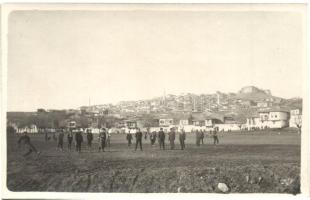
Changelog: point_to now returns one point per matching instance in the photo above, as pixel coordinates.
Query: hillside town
(249, 109)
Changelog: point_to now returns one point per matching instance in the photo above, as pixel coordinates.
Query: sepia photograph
(165, 98)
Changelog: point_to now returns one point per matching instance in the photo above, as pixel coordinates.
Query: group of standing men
(161, 135)
(104, 138)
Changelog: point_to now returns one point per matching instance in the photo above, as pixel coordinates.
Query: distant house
(254, 122)
(229, 120)
(198, 122)
(229, 124)
(248, 103)
(295, 118)
(71, 124)
(228, 127)
(210, 122)
(164, 122)
(198, 119)
(278, 119)
(184, 122)
(131, 124)
(29, 129)
(264, 115)
(263, 104)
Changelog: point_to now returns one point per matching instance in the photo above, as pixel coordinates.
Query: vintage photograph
(164, 98)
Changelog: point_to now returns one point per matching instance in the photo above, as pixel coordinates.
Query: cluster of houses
(267, 119)
(271, 119)
(275, 119)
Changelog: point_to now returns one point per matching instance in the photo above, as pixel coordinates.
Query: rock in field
(181, 189)
(223, 187)
(286, 181)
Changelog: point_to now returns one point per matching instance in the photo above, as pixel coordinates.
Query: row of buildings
(271, 119)
(247, 97)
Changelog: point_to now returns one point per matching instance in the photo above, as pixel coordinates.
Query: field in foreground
(263, 161)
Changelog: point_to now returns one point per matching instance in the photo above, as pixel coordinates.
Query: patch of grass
(263, 161)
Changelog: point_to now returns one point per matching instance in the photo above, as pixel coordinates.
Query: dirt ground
(259, 162)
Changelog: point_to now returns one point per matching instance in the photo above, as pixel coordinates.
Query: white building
(184, 122)
(165, 122)
(264, 119)
(71, 124)
(254, 122)
(228, 127)
(197, 122)
(278, 119)
(131, 124)
(263, 104)
(210, 122)
(29, 129)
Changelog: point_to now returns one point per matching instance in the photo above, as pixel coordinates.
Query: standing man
(46, 135)
(202, 135)
(60, 140)
(102, 139)
(172, 138)
(78, 140)
(197, 137)
(109, 137)
(182, 138)
(215, 137)
(54, 135)
(146, 134)
(70, 139)
(161, 138)
(153, 137)
(89, 138)
(25, 139)
(129, 138)
(138, 136)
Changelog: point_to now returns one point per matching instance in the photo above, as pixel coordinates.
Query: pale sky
(58, 59)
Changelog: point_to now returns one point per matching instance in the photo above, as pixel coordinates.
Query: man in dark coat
(25, 139)
(138, 136)
(46, 135)
(129, 138)
(78, 140)
(60, 139)
(153, 137)
(182, 138)
(102, 139)
(70, 139)
(161, 138)
(89, 138)
(171, 138)
(202, 135)
(215, 137)
(197, 137)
